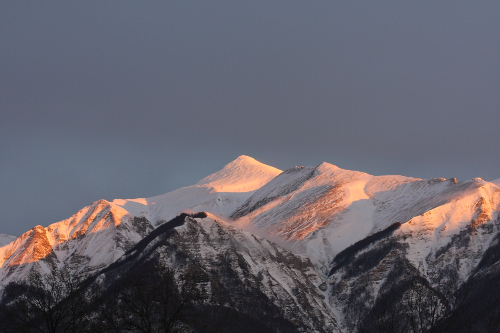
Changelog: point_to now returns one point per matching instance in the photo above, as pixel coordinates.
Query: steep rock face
(26, 250)
(249, 273)
(362, 272)
(88, 241)
(481, 308)
(445, 248)
(455, 235)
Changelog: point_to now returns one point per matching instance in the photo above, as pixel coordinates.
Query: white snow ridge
(329, 244)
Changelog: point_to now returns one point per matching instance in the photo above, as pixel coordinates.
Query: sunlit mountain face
(321, 248)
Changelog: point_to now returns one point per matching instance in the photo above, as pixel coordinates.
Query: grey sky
(123, 99)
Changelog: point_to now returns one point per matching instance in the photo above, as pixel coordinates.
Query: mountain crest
(244, 174)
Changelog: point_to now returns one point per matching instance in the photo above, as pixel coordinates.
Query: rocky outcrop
(88, 241)
(237, 270)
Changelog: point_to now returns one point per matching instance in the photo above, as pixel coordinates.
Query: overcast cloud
(125, 99)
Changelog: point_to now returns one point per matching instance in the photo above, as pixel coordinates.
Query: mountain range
(321, 248)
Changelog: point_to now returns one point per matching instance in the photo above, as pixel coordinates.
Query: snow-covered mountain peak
(220, 193)
(244, 174)
(90, 239)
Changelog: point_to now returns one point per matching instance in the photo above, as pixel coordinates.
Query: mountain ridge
(350, 195)
(445, 230)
